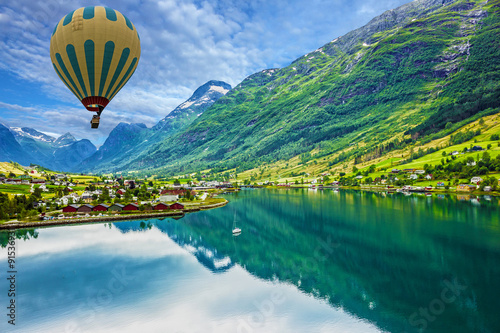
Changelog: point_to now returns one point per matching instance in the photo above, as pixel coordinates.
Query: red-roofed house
(177, 206)
(131, 206)
(161, 206)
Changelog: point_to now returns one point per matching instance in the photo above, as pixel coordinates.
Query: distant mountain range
(413, 74)
(27, 145)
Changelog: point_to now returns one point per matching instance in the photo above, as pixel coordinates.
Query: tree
(354, 169)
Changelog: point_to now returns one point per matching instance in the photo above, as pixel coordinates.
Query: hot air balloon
(95, 51)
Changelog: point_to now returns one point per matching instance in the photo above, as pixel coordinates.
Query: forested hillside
(413, 74)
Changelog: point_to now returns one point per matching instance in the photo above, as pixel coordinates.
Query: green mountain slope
(423, 70)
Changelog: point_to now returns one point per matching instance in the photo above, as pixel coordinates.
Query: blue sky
(184, 44)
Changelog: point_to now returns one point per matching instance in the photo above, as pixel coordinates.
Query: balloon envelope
(95, 51)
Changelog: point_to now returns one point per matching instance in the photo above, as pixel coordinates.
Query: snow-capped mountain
(26, 145)
(126, 141)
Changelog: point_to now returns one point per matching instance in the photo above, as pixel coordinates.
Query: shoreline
(376, 188)
(99, 219)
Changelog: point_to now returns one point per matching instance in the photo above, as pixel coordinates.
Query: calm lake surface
(306, 261)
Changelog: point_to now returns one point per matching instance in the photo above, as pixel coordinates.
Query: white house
(428, 177)
(413, 176)
(476, 180)
(419, 172)
(165, 198)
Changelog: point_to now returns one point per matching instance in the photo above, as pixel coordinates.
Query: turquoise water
(306, 261)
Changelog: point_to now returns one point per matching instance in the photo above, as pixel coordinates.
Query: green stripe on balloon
(88, 13)
(124, 79)
(70, 50)
(68, 18)
(110, 14)
(63, 80)
(129, 24)
(55, 29)
(68, 76)
(119, 68)
(89, 57)
(109, 49)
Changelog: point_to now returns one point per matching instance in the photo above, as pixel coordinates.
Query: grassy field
(15, 189)
(6, 168)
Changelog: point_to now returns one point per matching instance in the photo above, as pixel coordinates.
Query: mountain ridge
(127, 140)
(348, 91)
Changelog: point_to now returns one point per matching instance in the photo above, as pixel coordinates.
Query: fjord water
(306, 261)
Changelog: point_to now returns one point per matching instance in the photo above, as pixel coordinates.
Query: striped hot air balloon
(95, 51)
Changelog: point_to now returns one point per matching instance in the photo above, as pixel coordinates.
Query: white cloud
(16, 107)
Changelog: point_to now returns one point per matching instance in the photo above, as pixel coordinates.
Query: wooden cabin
(101, 208)
(116, 207)
(85, 208)
(70, 209)
(177, 205)
(161, 206)
(131, 206)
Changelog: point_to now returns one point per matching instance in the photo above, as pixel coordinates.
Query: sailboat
(236, 230)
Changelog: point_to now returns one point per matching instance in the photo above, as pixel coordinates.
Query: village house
(85, 208)
(440, 184)
(476, 180)
(13, 181)
(413, 176)
(177, 205)
(428, 177)
(100, 208)
(466, 188)
(70, 209)
(38, 181)
(86, 197)
(168, 197)
(116, 207)
(121, 191)
(161, 206)
(131, 206)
